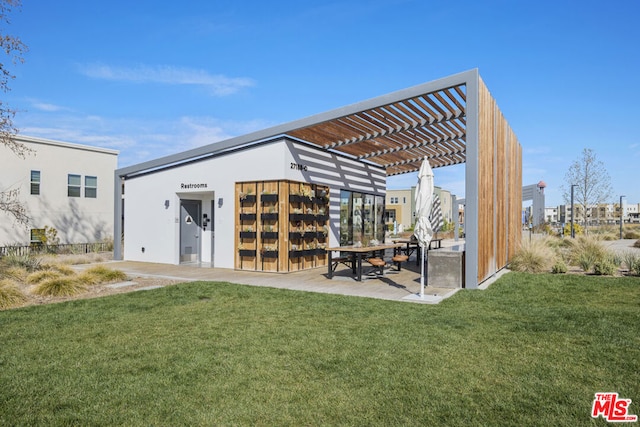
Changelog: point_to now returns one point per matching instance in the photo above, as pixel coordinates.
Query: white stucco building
(189, 212)
(68, 187)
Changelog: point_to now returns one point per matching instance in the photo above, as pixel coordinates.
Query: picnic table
(413, 245)
(356, 253)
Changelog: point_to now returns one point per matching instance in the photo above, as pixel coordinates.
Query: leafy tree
(13, 48)
(593, 185)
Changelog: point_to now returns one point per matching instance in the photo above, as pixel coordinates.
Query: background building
(400, 207)
(68, 187)
(601, 214)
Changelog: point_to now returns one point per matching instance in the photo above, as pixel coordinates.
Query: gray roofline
(43, 141)
(282, 129)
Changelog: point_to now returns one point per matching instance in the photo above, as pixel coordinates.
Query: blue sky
(151, 78)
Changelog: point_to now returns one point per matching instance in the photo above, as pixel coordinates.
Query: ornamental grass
(100, 274)
(61, 286)
(10, 294)
(534, 256)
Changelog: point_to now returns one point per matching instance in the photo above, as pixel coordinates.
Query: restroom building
(273, 200)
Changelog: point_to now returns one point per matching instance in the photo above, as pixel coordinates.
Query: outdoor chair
(378, 264)
(345, 260)
(399, 259)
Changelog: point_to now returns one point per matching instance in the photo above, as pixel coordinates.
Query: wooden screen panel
(486, 173)
(502, 163)
(515, 194)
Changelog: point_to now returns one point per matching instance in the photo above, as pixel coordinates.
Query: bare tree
(591, 180)
(13, 48)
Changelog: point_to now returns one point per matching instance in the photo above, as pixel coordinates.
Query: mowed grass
(530, 350)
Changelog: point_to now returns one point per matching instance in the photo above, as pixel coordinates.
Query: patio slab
(402, 286)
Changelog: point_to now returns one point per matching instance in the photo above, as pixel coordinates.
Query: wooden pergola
(448, 121)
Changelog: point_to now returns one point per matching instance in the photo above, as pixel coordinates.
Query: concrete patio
(395, 286)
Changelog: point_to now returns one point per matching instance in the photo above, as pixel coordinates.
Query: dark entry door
(190, 230)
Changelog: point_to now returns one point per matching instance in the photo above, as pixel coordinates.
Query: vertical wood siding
(499, 187)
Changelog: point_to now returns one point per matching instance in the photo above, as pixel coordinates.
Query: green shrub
(635, 270)
(10, 295)
(577, 229)
(631, 260)
(60, 286)
(604, 267)
(559, 267)
(586, 250)
(534, 256)
(586, 260)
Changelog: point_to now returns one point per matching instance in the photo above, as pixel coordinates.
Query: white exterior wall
(77, 219)
(150, 225)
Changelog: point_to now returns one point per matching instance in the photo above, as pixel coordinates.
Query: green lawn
(530, 350)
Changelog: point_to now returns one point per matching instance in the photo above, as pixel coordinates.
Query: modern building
(68, 187)
(400, 207)
(275, 199)
(600, 214)
(551, 215)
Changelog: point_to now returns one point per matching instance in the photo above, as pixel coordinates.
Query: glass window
(73, 185)
(361, 218)
(35, 182)
(91, 186)
(37, 235)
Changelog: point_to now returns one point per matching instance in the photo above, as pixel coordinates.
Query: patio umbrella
(436, 218)
(424, 198)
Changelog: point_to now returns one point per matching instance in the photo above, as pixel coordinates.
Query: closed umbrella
(423, 199)
(437, 220)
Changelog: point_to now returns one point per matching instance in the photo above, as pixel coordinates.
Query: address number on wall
(298, 167)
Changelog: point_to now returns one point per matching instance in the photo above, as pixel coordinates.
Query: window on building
(404, 200)
(37, 235)
(394, 200)
(35, 182)
(361, 218)
(73, 185)
(91, 186)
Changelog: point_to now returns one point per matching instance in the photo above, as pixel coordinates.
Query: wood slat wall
(499, 187)
(486, 202)
(269, 216)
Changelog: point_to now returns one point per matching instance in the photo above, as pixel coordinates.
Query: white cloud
(137, 140)
(44, 106)
(217, 84)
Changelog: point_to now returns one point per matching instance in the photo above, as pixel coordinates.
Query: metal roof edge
(282, 129)
(72, 145)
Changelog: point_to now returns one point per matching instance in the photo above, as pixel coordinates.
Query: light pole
(621, 216)
(573, 234)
